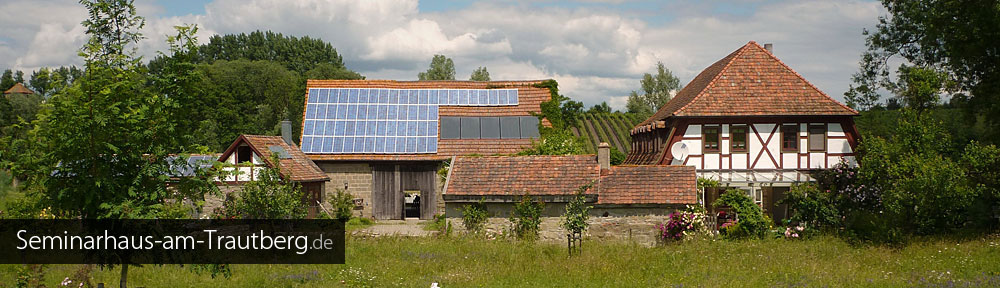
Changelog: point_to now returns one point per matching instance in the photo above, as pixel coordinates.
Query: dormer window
(244, 155)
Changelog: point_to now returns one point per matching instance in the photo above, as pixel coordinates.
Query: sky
(596, 49)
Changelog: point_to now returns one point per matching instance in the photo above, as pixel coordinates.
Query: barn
(385, 141)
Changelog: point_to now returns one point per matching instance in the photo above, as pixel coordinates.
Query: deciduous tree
(442, 68)
(480, 74)
(656, 91)
(956, 37)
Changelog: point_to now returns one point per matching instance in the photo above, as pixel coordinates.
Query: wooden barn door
(422, 177)
(387, 195)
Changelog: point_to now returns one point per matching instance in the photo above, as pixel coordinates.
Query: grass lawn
(458, 262)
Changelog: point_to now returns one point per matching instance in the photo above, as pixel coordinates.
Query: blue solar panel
(390, 144)
(380, 145)
(317, 144)
(307, 127)
(338, 145)
(400, 128)
(376, 120)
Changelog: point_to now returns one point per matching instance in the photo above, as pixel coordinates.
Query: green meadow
(466, 262)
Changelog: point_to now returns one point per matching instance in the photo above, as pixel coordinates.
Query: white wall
(764, 146)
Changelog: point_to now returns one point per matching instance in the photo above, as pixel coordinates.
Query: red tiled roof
(655, 184)
(18, 88)
(749, 82)
(563, 175)
(297, 169)
(517, 175)
(529, 102)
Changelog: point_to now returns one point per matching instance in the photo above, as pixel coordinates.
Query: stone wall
(556, 209)
(358, 177)
(215, 201)
(638, 229)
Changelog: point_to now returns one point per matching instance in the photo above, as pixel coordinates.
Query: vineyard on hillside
(612, 128)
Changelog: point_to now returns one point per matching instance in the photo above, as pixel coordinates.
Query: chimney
(769, 47)
(286, 131)
(604, 156)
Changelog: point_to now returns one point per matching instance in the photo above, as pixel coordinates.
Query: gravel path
(409, 227)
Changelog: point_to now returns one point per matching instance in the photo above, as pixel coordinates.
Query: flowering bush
(687, 224)
(678, 224)
(797, 232)
(751, 223)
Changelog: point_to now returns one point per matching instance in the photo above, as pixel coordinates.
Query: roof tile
(749, 82)
(563, 175)
(653, 184)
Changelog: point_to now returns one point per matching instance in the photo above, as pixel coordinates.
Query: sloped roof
(18, 88)
(297, 167)
(652, 184)
(529, 103)
(750, 82)
(563, 175)
(517, 175)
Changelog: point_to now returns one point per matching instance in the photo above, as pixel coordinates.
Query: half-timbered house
(749, 121)
(250, 154)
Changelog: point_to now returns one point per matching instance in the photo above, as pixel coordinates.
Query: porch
(766, 188)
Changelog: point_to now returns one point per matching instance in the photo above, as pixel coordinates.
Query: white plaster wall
(838, 146)
(695, 161)
(757, 150)
(816, 160)
(789, 161)
(712, 161)
(835, 130)
(740, 161)
(693, 131)
(694, 146)
(833, 160)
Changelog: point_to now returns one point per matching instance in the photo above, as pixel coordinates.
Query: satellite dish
(680, 152)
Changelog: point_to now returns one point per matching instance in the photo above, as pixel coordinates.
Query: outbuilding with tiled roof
(628, 190)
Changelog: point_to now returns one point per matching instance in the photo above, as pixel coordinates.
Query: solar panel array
(385, 121)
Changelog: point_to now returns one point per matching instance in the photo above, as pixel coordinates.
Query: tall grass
(461, 262)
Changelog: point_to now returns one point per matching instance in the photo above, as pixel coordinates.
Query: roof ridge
(736, 54)
(421, 81)
(526, 156)
(804, 79)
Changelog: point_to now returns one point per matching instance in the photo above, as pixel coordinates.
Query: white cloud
(422, 37)
(596, 54)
